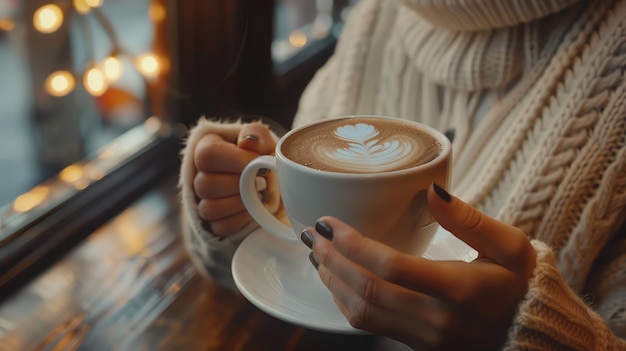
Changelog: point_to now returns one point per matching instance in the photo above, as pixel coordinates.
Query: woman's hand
(432, 305)
(219, 164)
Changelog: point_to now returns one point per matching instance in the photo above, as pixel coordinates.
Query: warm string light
(59, 83)
(112, 68)
(148, 65)
(81, 6)
(97, 78)
(48, 18)
(94, 3)
(95, 82)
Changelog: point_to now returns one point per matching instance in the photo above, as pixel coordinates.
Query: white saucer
(277, 277)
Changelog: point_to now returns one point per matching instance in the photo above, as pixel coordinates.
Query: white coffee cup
(387, 205)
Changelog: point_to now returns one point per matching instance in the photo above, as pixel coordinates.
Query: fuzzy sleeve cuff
(553, 317)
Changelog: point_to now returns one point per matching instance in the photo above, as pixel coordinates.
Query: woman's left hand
(432, 305)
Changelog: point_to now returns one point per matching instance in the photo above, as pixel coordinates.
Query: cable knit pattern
(551, 317)
(349, 78)
(520, 126)
(535, 91)
(539, 157)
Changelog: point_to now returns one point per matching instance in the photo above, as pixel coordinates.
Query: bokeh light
(148, 65)
(59, 83)
(31, 199)
(95, 81)
(48, 18)
(298, 39)
(112, 67)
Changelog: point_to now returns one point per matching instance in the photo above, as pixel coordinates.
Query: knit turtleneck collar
(478, 15)
(471, 45)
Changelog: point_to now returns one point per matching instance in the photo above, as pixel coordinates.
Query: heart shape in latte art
(364, 150)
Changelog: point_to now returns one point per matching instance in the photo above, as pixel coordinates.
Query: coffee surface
(361, 145)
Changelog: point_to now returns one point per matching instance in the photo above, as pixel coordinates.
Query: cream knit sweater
(536, 94)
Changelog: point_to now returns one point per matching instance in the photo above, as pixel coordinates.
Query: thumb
(256, 137)
(493, 239)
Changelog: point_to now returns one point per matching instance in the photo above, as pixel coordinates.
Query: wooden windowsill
(33, 240)
(131, 286)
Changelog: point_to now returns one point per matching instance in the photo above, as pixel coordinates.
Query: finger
(214, 154)
(465, 291)
(357, 252)
(374, 256)
(372, 304)
(338, 272)
(215, 209)
(493, 239)
(256, 137)
(447, 280)
(230, 225)
(363, 314)
(215, 185)
(219, 185)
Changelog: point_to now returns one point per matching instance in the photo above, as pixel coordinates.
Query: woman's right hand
(219, 164)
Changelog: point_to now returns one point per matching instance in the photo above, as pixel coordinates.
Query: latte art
(365, 152)
(361, 145)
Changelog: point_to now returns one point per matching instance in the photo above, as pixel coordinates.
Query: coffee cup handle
(254, 205)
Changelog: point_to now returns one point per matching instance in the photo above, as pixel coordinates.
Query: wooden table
(131, 286)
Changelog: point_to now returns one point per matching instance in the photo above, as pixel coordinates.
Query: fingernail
(314, 260)
(442, 193)
(449, 133)
(262, 172)
(251, 137)
(307, 238)
(324, 229)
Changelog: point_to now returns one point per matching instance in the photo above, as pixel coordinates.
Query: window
(79, 117)
(96, 93)
(302, 24)
(70, 83)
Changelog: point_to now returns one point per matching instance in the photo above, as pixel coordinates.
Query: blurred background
(69, 86)
(96, 97)
(78, 74)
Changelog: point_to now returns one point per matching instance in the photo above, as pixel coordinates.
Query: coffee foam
(361, 145)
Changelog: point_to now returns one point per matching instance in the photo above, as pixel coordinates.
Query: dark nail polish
(264, 196)
(324, 229)
(262, 172)
(314, 260)
(449, 133)
(442, 193)
(307, 238)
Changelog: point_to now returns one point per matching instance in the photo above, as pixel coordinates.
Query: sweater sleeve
(553, 317)
(210, 254)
